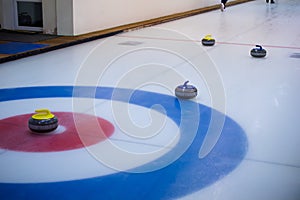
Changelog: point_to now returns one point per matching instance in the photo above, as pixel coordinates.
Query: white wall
(1, 14)
(75, 17)
(93, 15)
(65, 21)
(49, 17)
(7, 14)
(103, 14)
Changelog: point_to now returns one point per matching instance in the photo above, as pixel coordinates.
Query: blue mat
(18, 47)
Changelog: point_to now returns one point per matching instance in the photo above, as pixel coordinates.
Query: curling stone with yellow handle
(43, 121)
(208, 40)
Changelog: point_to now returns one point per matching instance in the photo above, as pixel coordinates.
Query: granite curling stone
(258, 52)
(208, 41)
(186, 91)
(43, 121)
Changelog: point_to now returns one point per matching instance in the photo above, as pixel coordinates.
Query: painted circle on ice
(16, 136)
(187, 174)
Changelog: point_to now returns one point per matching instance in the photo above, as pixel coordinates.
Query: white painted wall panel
(49, 17)
(65, 19)
(93, 15)
(75, 17)
(7, 14)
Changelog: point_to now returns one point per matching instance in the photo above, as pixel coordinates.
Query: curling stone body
(186, 91)
(208, 41)
(258, 52)
(43, 121)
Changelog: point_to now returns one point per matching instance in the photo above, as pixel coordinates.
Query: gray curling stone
(258, 52)
(186, 91)
(42, 122)
(208, 41)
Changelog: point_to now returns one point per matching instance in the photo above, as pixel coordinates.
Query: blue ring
(186, 175)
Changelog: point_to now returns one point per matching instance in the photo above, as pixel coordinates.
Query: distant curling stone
(208, 41)
(42, 122)
(186, 91)
(258, 52)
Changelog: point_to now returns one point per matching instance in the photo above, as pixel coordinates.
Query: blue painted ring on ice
(187, 174)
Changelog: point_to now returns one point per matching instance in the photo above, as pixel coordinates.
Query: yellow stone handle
(42, 114)
(208, 37)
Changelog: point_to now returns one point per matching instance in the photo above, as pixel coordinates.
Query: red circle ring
(77, 131)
